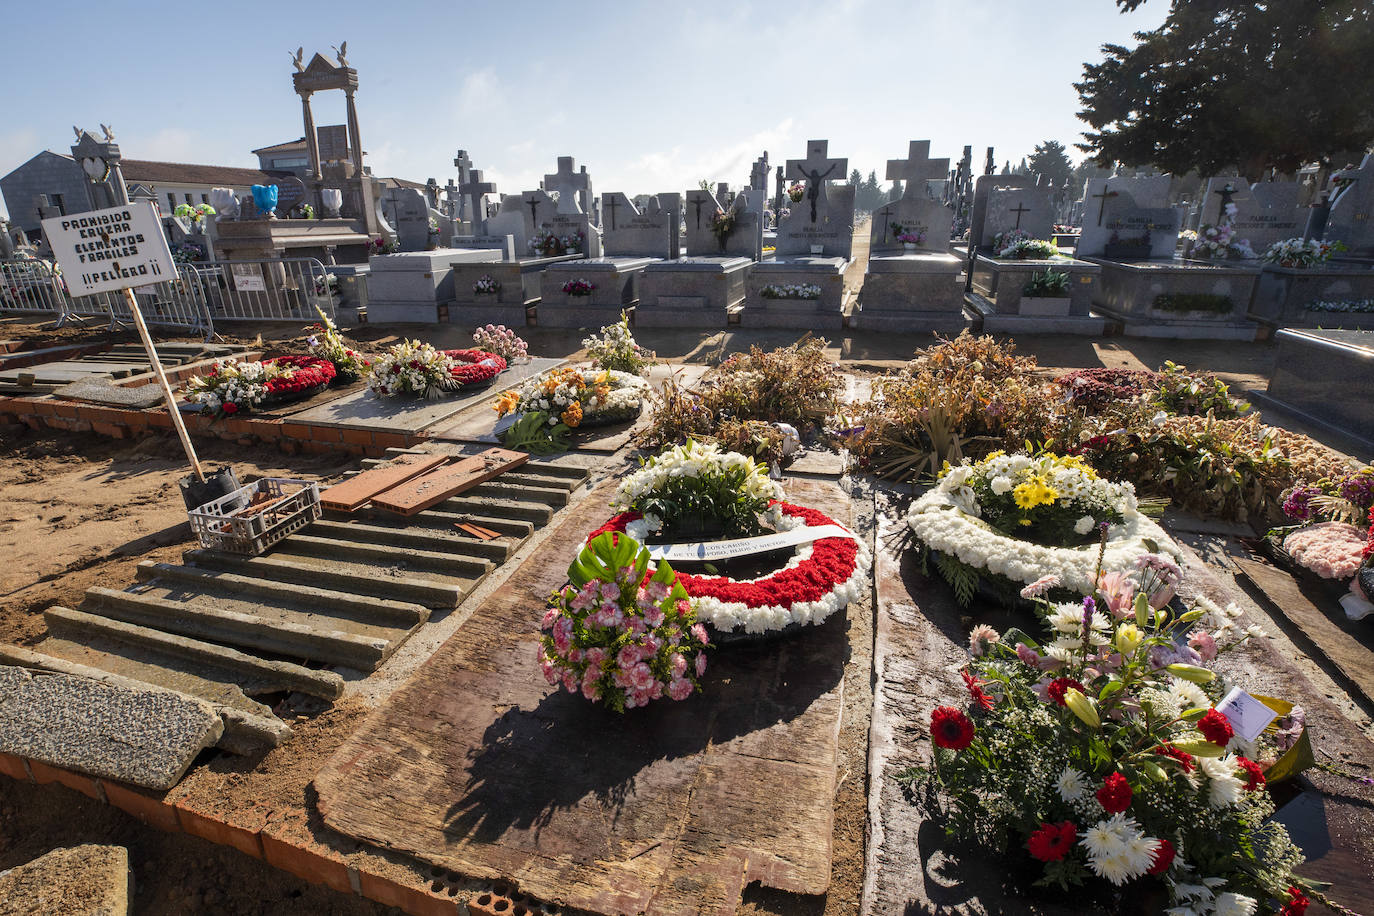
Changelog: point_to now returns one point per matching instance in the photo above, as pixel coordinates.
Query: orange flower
(572, 417)
(506, 403)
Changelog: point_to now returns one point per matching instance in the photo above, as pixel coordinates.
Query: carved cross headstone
(1226, 192)
(474, 190)
(452, 206)
(816, 169)
(568, 183)
(1019, 210)
(701, 206)
(1102, 207)
(916, 169)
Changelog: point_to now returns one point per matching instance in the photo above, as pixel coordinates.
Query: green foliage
(534, 434)
(960, 576)
(1047, 283)
(1182, 392)
(1194, 302)
(1051, 162)
(1233, 82)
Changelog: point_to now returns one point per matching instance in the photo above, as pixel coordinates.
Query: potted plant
(579, 287)
(910, 236)
(1047, 294)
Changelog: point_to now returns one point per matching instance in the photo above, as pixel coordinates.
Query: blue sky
(650, 96)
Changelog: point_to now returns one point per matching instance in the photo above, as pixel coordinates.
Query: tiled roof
(282, 147)
(187, 173)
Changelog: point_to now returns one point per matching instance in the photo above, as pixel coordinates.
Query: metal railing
(32, 286)
(285, 289)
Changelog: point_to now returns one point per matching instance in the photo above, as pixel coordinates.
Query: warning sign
(248, 278)
(104, 250)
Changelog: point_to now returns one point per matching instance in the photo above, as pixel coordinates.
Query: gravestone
(333, 143)
(573, 188)
(474, 193)
(650, 233)
(1125, 210)
(744, 241)
(824, 218)
(463, 163)
(1351, 210)
(1004, 203)
(758, 174)
(915, 208)
(410, 218)
(1266, 213)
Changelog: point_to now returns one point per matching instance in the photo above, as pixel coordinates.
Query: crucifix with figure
(913, 171)
(815, 169)
(568, 183)
(1226, 192)
(475, 190)
(698, 199)
(1102, 208)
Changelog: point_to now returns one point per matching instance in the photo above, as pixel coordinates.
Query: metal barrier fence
(284, 289)
(32, 286)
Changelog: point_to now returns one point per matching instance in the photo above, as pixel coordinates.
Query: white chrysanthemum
(1188, 694)
(1084, 525)
(1001, 485)
(1231, 904)
(1223, 786)
(1071, 785)
(1118, 850)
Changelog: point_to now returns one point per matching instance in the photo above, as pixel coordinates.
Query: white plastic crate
(276, 507)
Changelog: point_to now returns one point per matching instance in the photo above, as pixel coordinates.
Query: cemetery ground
(82, 510)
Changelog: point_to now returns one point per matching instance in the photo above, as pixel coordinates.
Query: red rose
(1254, 775)
(1298, 905)
(230, 407)
(975, 689)
(1115, 794)
(1216, 728)
(1164, 857)
(950, 728)
(1061, 684)
(1183, 757)
(1052, 841)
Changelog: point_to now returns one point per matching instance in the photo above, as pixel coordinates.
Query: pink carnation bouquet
(622, 633)
(1332, 550)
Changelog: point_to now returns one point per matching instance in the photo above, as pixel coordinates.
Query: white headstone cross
(463, 163)
(101, 251)
(567, 183)
(916, 169)
(816, 169)
(476, 190)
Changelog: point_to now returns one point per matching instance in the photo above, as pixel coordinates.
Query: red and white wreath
(473, 367)
(822, 577)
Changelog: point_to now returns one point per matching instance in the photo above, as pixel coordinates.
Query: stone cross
(1102, 208)
(432, 193)
(815, 170)
(777, 197)
(463, 164)
(698, 200)
(567, 183)
(610, 203)
(916, 169)
(1226, 192)
(475, 189)
(453, 205)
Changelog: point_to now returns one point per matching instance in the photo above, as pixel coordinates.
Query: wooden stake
(162, 380)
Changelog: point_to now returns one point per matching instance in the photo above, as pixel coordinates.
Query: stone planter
(1045, 306)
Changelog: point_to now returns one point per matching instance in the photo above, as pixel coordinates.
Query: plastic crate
(273, 512)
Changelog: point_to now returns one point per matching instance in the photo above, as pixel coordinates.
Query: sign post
(102, 251)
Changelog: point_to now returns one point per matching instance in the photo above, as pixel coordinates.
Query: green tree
(873, 192)
(1051, 162)
(1235, 82)
(895, 192)
(856, 178)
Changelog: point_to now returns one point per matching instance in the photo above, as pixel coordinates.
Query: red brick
(296, 430)
(413, 901)
(113, 430)
(87, 412)
(326, 433)
(44, 408)
(160, 419)
(357, 436)
(65, 410)
(13, 767)
(389, 440)
(306, 864)
(321, 448)
(43, 774)
(150, 810)
(265, 429)
(31, 421)
(245, 841)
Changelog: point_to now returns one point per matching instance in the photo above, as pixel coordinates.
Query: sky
(650, 96)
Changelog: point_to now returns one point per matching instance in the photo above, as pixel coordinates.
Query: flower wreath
(302, 373)
(820, 579)
(474, 367)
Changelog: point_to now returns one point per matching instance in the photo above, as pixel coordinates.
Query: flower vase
(908, 248)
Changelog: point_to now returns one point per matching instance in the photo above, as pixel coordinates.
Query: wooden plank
(419, 493)
(354, 492)
(478, 766)
(1344, 643)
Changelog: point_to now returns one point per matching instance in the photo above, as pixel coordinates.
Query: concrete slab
(146, 737)
(363, 410)
(100, 391)
(87, 880)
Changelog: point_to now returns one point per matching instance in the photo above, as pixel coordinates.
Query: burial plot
(1265, 213)
(1132, 232)
(1009, 297)
(1350, 219)
(803, 286)
(702, 289)
(913, 285)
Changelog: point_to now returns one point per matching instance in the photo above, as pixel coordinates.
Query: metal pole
(162, 380)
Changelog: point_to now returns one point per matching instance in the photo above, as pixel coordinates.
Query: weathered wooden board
(419, 493)
(1336, 638)
(358, 489)
(479, 767)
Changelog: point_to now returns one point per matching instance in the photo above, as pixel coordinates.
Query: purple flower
(1298, 504)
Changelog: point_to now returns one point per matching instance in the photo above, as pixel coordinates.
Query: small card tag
(1247, 715)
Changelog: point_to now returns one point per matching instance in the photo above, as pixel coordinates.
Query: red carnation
(1183, 757)
(950, 728)
(1115, 794)
(1298, 905)
(230, 407)
(1164, 857)
(1061, 684)
(1052, 841)
(1216, 728)
(1254, 775)
(975, 689)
